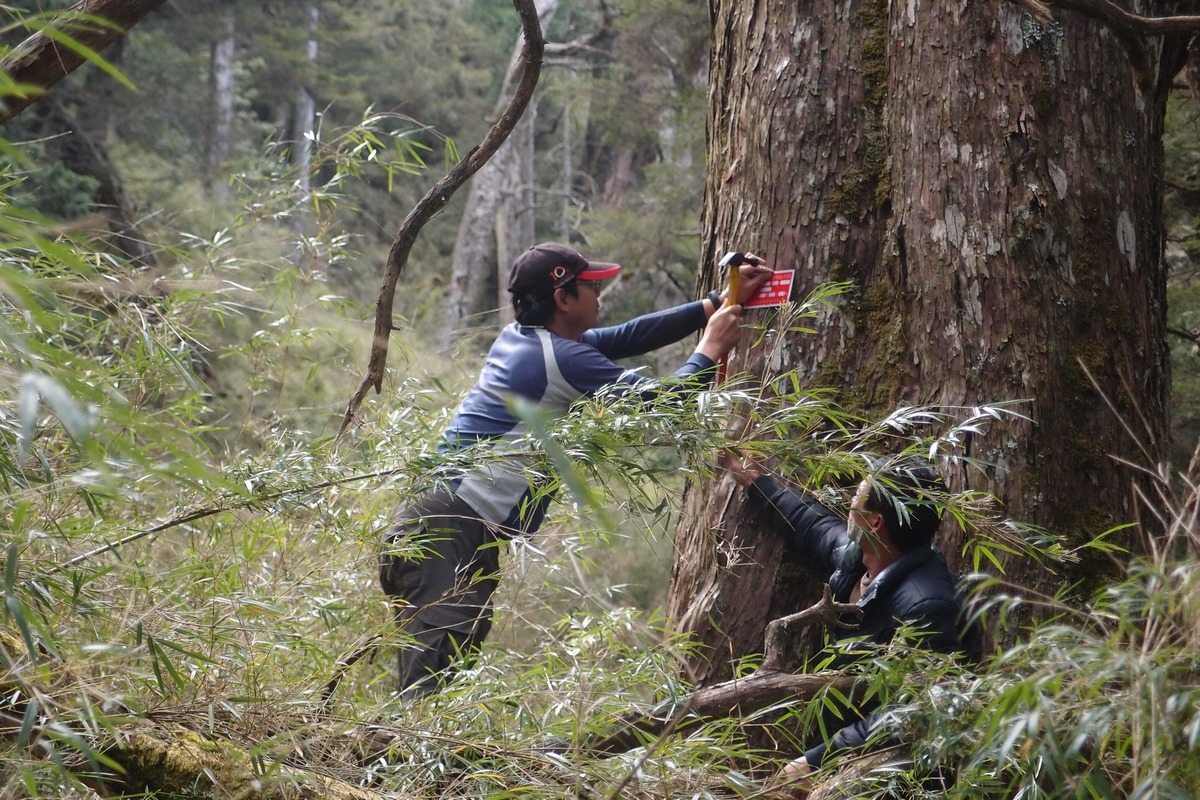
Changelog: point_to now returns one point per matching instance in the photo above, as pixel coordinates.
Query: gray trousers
(441, 598)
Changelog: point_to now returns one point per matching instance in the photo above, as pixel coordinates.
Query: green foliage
(183, 541)
(53, 190)
(244, 572)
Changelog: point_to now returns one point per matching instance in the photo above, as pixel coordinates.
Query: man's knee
(435, 653)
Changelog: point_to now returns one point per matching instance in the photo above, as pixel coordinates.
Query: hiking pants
(441, 597)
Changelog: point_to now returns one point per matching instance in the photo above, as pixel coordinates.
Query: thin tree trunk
(303, 125)
(221, 76)
(305, 113)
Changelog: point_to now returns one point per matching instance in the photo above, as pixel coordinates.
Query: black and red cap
(548, 266)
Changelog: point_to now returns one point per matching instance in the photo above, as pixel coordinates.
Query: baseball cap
(545, 267)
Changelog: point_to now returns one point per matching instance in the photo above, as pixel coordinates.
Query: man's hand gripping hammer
(732, 261)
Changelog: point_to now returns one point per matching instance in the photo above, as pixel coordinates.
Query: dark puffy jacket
(917, 590)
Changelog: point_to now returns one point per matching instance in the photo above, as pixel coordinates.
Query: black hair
(905, 493)
(538, 309)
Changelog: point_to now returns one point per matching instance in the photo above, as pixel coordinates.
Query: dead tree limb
(42, 60)
(1131, 30)
(437, 197)
(764, 687)
(851, 779)
(1119, 20)
(735, 698)
(826, 611)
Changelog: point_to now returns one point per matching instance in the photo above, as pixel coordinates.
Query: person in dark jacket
(882, 559)
(551, 357)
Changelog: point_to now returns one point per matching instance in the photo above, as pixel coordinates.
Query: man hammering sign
(551, 356)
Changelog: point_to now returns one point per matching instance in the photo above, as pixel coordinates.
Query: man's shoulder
(930, 585)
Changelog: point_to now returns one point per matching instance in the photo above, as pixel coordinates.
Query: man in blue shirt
(552, 356)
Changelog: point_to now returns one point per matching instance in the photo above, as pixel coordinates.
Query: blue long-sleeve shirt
(551, 372)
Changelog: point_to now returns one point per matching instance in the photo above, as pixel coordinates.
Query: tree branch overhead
(437, 197)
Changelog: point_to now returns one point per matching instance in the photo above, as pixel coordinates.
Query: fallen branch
(159, 760)
(849, 781)
(766, 686)
(177, 761)
(738, 697)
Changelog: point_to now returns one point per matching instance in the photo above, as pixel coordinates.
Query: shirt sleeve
(814, 530)
(647, 333)
(589, 370)
(856, 737)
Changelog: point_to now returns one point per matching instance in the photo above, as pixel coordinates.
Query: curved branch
(767, 685)
(1185, 334)
(737, 697)
(42, 60)
(437, 197)
(1128, 29)
(1118, 20)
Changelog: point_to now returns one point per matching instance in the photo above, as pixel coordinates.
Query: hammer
(733, 260)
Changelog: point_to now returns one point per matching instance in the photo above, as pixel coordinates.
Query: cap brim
(599, 271)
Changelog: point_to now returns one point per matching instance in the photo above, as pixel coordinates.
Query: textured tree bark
(990, 186)
(39, 62)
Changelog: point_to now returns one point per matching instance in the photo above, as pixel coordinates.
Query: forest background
(211, 218)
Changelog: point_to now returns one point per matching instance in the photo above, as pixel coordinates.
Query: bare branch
(437, 197)
(1184, 333)
(825, 611)
(209, 511)
(764, 687)
(1116, 18)
(737, 697)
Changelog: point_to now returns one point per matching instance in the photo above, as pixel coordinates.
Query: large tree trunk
(990, 186)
